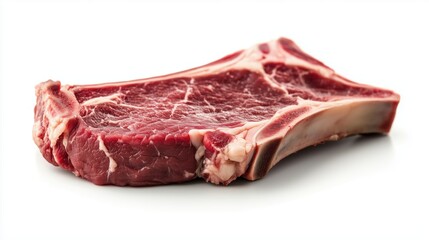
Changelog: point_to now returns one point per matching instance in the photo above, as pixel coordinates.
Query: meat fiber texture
(235, 117)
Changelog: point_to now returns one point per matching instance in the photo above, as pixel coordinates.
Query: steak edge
(235, 117)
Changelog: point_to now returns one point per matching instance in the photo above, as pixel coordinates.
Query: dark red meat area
(149, 164)
(216, 140)
(228, 99)
(307, 84)
(158, 108)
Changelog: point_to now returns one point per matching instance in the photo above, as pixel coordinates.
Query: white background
(357, 188)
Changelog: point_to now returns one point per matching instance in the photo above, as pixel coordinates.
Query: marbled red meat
(237, 116)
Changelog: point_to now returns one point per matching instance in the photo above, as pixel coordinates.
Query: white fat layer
(237, 130)
(56, 127)
(237, 150)
(232, 159)
(226, 171)
(219, 175)
(57, 123)
(65, 141)
(196, 136)
(113, 98)
(200, 152)
(112, 162)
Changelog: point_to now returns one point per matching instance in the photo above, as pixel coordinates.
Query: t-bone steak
(238, 116)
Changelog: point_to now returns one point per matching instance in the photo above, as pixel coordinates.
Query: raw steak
(237, 116)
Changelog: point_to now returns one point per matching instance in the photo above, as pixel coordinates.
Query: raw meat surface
(234, 117)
